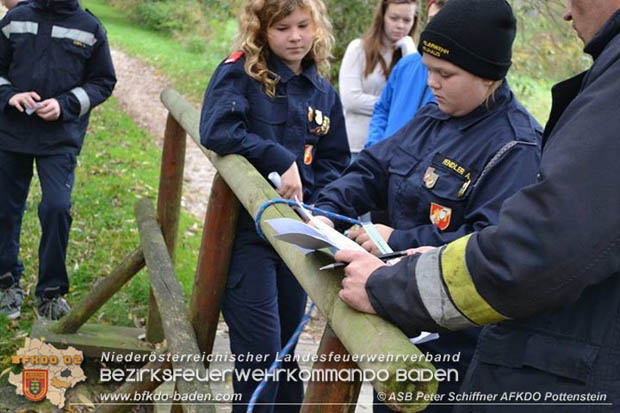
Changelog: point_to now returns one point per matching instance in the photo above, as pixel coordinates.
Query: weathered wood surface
(218, 235)
(101, 292)
(361, 334)
(94, 339)
(331, 396)
(168, 208)
(169, 295)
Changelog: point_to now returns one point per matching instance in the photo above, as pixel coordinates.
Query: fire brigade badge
(34, 384)
(308, 154)
(318, 122)
(440, 216)
(430, 177)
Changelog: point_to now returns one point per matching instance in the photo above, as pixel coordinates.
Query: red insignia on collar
(234, 57)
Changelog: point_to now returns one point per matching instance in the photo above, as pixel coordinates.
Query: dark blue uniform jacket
(462, 167)
(238, 117)
(58, 51)
(552, 264)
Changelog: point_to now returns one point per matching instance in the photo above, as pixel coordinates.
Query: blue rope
(289, 344)
(331, 215)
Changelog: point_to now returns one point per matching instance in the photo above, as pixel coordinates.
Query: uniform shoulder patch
(234, 57)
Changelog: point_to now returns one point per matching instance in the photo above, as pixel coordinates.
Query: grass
(118, 164)
(188, 63)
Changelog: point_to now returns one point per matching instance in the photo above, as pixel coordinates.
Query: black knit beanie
(475, 35)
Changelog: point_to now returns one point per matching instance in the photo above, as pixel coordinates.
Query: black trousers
(263, 305)
(56, 174)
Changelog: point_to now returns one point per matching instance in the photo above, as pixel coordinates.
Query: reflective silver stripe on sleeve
(81, 36)
(20, 27)
(83, 98)
(434, 294)
(4, 81)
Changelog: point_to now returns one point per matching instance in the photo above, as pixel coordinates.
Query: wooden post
(171, 183)
(361, 334)
(218, 235)
(167, 289)
(340, 395)
(105, 288)
(168, 207)
(132, 388)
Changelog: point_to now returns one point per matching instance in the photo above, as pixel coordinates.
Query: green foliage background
(545, 51)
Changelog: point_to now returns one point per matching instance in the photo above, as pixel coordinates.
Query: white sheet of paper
(424, 337)
(311, 238)
(36, 107)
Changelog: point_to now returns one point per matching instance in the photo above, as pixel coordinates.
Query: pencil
(383, 257)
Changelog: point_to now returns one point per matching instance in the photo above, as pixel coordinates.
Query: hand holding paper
(25, 101)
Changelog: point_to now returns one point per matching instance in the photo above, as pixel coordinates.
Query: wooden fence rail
(361, 334)
(349, 333)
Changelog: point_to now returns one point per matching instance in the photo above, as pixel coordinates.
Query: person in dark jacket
(546, 278)
(270, 103)
(55, 66)
(448, 171)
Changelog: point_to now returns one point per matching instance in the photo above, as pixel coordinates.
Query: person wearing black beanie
(472, 39)
(475, 35)
(545, 280)
(447, 172)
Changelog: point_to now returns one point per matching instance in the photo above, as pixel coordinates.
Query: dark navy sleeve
(332, 153)
(99, 82)
(363, 187)
(224, 123)
(7, 90)
(516, 169)
(559, 237)
(393, 293)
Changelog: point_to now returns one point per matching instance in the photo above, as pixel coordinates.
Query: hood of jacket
(58, 5)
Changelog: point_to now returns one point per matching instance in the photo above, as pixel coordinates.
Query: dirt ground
(138, 90)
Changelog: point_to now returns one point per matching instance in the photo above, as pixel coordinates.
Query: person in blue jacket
(270, 103)
(545, 280)
(55, 66)
(404, 94)
(449, 170)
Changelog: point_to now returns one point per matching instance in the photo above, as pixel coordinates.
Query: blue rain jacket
(404, 94)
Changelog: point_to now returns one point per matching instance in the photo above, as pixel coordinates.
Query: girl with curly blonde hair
(251, 40)
(269, 102)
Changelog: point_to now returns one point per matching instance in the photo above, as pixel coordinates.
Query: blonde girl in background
(368, 61)
(269, 102)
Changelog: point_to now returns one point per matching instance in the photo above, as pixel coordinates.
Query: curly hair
(259, 15)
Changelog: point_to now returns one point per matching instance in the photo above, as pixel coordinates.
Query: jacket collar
(609, 30)
(502, 95)
(281, 69)
(58, 5)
